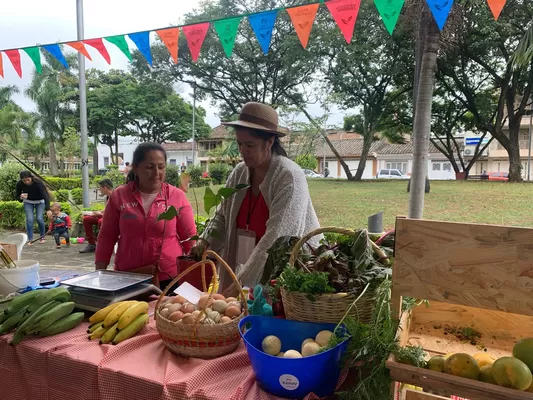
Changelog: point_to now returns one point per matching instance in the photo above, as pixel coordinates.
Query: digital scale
(98, 289)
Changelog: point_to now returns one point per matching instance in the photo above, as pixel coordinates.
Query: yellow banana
(115, 314)
(131, 313)
(97, 334)
(101, 314)
(109, 335)
(131, 330)
(95, 326)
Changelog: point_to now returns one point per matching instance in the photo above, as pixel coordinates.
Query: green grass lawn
(348, 204)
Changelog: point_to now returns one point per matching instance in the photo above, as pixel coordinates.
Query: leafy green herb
(313, 285)
(411, 355)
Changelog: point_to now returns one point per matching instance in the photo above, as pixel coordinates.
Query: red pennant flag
(195, 35)
(1, 66)
(14, 57)
(344, 12)
(496, 7)
(170, 38)
(80, 47)
(99, 45)
(302, 18)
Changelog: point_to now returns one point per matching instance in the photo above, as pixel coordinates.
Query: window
(172, 161)
(106, 161)
(400, 165)
(436, 166)
(395, 173)
(384, 172)
(446, 167)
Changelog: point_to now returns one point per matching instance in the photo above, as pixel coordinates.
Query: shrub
(115, 176)
(307, 161)
(205, 182)
(112, 167)
(77, 195)
(12, 215)
(173, 175)
(9, 176)
(219, 172)
(78, 217)
(64, 183)
(195, 172)
(62, 195)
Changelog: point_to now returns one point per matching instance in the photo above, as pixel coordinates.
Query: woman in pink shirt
(130, 218)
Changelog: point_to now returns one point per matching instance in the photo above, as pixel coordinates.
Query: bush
(12, 215)
(64, 183)
(112, 167)
(78, 217)
(115, 176)
(219, 172)
(9, 176)
(62, 195)
(205, 182)
(307, 161)
(77, 195)
(195, 172)
(172, 175)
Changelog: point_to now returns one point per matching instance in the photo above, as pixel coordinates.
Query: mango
(483, 359)
(523, 350)
(512, 373)
(436, 363)
(485, 374)
(463, 365)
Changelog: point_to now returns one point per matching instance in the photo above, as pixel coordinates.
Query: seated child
(60, 223)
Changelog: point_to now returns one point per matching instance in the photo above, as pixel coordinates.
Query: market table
(69, 366)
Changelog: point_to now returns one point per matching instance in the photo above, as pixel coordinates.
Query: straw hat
(258, 116)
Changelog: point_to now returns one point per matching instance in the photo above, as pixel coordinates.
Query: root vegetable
(310, 349)
(323, 337)
(271, 345)
(292, 354)
(308, 340)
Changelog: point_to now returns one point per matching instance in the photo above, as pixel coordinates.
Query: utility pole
(83, 110)
(194, 124)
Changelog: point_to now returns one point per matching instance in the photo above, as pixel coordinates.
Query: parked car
(390, 174)
(311, 174)
(498, 176)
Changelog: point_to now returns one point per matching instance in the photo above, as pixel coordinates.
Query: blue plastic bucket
(293, 378)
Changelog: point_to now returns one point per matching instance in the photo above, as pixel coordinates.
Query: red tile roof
(177, 146)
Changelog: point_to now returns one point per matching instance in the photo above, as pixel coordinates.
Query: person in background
(32, 193)
(183, 168)
(127, 169)
(60, 223)
(94, 218)
(276, 204)
(131, 219)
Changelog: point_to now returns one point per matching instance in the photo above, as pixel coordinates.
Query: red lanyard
(250, 208)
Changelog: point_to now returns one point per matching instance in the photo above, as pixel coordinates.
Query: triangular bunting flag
(35, 54)
(99, 45)
(344, 12)
(1, 66)
(142, 41)
(55, 50)
(195, 35)
(262, 25)
(170, 38)
(390, 12)
(496, 7)
(440, 10)
(303, 18)
(79, 46)
(227, 32)
(120, 42)
(14, 57)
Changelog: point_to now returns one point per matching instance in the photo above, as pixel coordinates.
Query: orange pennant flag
(80, 47)
(14, 57)
(496, 7)
(170, 38)
(303, 18)
(99, 45)
(1, 66)
(344, 12)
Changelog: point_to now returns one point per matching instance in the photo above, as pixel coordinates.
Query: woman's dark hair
(277, 148)
(25, 174)
(140, 154)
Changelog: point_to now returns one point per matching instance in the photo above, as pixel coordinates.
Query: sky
(29, 22)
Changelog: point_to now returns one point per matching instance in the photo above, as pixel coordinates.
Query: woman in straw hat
(276, 204)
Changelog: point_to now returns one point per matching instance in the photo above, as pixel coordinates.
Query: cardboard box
(11, 250)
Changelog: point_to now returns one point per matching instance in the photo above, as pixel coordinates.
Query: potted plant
(211, 201)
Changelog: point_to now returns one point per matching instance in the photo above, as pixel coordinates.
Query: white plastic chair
(19, 240)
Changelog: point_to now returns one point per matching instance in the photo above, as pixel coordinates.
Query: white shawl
(291, 213)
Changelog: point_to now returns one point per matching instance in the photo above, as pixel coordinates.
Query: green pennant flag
(227, 32)
(390, 12)
(35, 54)
(120, 42)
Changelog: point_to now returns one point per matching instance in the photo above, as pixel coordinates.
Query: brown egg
(235, 304)
(178, 299)
(232, 312)
(224, 319)
(188, 319)
(204, 301)
(174, 307)
(230, 299)
(176, 316)
(196, 313)
(188, 308)
(218, 296)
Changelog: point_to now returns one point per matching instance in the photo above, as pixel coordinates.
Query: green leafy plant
(77, 195)
(115, 176)
(62, 195)
(12, 215)
(9, 176)
(313, 285)
(64, 183)
(219, 173)
(195, 172)
(172, 175)
(307, 161)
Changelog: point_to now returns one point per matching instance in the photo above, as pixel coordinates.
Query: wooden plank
(418, 395)
(483, 266)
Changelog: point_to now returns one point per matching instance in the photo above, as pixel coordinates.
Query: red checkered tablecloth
(69, 366)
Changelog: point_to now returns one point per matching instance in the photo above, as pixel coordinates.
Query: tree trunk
(422, 119)
(53, 161)
(95, 156)
(515, 165)
(338, 156)
(110, 154)
(367, 143)
(116, 147)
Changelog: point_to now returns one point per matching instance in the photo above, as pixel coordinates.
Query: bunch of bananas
(118, 322)
(40, 312)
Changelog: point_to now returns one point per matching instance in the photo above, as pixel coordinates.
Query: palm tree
(6, 94)
(52, 91)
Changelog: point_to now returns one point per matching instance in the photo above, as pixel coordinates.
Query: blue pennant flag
(142, 41)
(55, 50)
(262, 24)
(440, 10)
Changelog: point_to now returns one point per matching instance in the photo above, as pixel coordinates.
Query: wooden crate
(477, 276)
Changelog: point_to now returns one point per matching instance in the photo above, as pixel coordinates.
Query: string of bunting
(344, 12)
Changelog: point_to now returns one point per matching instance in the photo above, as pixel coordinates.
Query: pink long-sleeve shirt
(140, 235)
